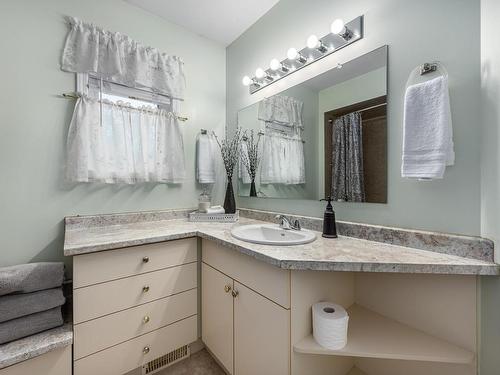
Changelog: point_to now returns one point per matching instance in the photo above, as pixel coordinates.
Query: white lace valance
(283, 110)
(117, 58)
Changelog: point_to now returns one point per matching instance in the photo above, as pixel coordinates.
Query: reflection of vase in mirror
(253, 190)
(229, 202)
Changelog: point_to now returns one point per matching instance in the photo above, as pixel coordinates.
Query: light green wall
(450, 205)
(490, 181)
(33, 120)
(364, 87)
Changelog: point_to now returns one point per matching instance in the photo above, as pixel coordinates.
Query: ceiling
(220, 20)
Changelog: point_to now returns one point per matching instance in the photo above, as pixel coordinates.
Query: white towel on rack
(205, 159)
(427, 130)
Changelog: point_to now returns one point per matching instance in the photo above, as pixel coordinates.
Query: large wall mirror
(324, 137)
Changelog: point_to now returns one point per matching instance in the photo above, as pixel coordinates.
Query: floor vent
(166, 360)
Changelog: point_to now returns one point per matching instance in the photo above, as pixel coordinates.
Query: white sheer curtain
(113, 143)
(283, 150)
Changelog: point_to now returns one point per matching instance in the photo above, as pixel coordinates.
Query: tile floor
(200, 363)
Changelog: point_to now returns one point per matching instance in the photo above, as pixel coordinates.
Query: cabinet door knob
(145, 350)
(227, 288)
(235, 293)
(146, 319)
(145, 259)
(145, 288)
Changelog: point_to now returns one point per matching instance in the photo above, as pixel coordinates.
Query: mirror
(324, 137)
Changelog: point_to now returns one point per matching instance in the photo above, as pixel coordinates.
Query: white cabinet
(217, 315)
(261, 334)
(247, 331)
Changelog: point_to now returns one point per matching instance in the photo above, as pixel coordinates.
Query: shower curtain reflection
(347, 171)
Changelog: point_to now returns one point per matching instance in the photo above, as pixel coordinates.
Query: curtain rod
(76, 96)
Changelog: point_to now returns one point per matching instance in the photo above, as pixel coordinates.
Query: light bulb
(275, 64)
(338, 27)
(313, 42)
(246, 80)
(292, 54)
(260, 73)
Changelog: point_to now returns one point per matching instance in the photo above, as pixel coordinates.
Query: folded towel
(216, 210)
(25, 278)
(17, 305)
(427, 132)
(205, 159)
(30, 324)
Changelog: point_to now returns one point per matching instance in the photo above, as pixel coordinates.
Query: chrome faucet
(285, 223)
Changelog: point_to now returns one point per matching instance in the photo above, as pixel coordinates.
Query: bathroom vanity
(146, 288)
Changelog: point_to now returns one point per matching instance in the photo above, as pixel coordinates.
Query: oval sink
(272, 234)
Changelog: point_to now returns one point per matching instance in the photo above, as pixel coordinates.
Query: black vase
(253, 190)
(229, 202)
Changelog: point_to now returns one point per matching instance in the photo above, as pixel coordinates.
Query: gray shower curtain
(347, 173)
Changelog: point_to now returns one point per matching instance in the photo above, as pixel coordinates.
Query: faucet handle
(296, 224)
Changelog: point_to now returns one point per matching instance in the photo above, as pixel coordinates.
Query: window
(138, 98)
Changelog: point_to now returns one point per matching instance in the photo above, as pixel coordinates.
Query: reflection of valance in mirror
(283, 110)
(347, 173)
(117, 58)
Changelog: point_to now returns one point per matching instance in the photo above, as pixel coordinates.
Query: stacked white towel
(205, 159)
(427, 132)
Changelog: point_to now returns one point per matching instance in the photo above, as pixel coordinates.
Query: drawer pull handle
(145, 288)
(235, 293)
(146, 319)
(145, 350)
(145, 259)
(227, 288)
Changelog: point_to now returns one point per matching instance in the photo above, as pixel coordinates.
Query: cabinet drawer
(270, 281)
(98, 334)
(129, 355)
(104, 266)
(97, 300)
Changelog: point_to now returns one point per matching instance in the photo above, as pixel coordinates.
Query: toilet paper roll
(330, 323)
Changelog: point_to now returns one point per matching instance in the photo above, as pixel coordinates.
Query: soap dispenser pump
(329, 226)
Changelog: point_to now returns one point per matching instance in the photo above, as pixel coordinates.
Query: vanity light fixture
(338, 28)
(276, 65)
(246, 81)
(260, 73)
(341, 35)
(314, 43)
(293, 55)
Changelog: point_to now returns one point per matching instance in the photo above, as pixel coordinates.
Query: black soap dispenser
(329, 226)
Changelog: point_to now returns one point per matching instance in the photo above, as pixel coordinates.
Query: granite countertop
(341, 254)
(35, 345)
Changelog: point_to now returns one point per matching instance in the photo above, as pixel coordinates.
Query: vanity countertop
(32, 346)
(341, 254)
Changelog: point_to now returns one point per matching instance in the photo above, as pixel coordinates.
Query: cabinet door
(217, 315)
(261, 334)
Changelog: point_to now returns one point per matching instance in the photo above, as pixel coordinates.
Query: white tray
(214, 218)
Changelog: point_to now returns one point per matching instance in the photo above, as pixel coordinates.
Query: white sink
(272, 234)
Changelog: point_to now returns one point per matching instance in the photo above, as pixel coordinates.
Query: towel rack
(72, 95)
(426, 71)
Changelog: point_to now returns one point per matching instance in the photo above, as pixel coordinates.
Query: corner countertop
(33, 346)
(341, 254)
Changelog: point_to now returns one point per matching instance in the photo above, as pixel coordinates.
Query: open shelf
(372, 335)
(355, 371)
